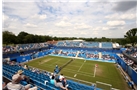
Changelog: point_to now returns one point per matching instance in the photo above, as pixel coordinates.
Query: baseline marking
(94, 71)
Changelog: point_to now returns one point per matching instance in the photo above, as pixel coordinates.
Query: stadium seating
(66, 49)
(38, 79)
(88, 55)
(107, 45)
(23, 47)
(85, 44)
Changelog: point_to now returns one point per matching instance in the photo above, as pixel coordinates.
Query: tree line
(24, 38)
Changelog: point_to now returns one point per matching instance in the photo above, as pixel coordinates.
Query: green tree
(47, 38)
(9, 37)
(21, 37)
(131, 36)
(29, 38)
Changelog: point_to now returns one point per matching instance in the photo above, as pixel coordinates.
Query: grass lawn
(83, 70)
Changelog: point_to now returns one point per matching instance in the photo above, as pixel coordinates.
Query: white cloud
(36, 16)
(117, 16)
(100, 28)
(105, 28)
(21, 9)
(116, 23)
(97, 28)
(112, 16)
(4, 17)
(74, 19)
(100, 21)
(82, 26)
(128, 16)
(30, 25)
(43, 16)
(63, 24)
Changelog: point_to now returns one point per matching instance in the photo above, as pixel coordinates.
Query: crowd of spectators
(78, 44)
(85, 44)
(64, 52)
(132, 51)
(58, 80)
(56, 51)
(70, 43)
(22, 47)
(92, 55)
(107, 57)
(55, 79)
(129, 62)
(83, 54)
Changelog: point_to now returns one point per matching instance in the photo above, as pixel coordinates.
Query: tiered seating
(85, 44)
(64, 52)
(107, 45)
(132, 51)
(38, 79)
(60, 43)
(71, 43)
(86, 54)
(31, 53)
(91, 44)
(89, 55)
(21, 47)
(78, 86)
(11, 55)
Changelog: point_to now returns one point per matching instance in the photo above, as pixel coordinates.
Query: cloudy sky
(67, 18)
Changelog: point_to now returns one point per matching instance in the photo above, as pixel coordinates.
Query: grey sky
(125, 5)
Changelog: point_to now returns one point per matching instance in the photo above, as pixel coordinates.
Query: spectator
(23, 77)
(3, 85)
(56, 83)
(25, 66)
(132, 85)
(59, 84)
(61, 77)
(51, 75)
(15, 84)
(52, 81)
(64, 82)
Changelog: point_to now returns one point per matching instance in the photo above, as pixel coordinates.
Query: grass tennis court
(83, 70)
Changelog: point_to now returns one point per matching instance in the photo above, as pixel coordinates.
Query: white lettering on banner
(23, 59)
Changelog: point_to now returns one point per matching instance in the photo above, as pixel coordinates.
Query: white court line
(94, 71)
(72, 71)
(79, 69)
(81, 66)
(75, 75)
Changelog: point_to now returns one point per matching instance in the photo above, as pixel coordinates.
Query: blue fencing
(31, 56)
(23, 58)
(127, 69)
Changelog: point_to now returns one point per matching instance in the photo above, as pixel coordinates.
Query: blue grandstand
(98, 51)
